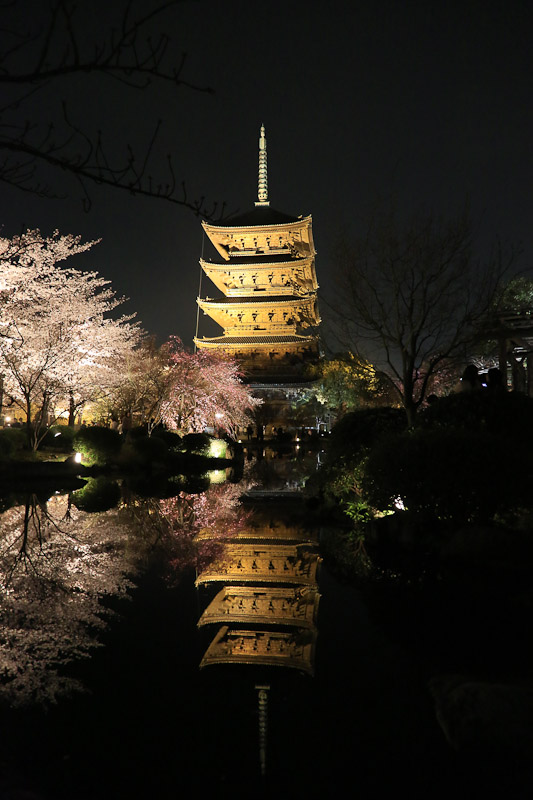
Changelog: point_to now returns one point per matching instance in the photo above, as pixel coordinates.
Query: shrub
(502, 413)
(6, 446)
(97, 445)
(148, 449)
(197, 443)
(59, 437)
(138, 432)
(11, 440)
(361, 429)
(172, 440)
(448, 474)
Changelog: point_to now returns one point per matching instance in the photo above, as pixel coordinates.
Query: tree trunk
(71, 409)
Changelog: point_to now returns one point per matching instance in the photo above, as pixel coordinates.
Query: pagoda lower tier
(278, 358)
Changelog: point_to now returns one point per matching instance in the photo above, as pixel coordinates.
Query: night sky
(428, 102)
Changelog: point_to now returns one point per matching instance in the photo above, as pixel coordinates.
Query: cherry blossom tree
(143, 386)
(205, 389)
(58, 346)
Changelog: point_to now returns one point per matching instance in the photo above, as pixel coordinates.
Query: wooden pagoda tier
(263, 563)
(265, 269)
(249, 316)
(271, 648)
(271, 277)
(279, 605)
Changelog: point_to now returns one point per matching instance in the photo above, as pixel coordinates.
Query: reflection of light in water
(217, 476)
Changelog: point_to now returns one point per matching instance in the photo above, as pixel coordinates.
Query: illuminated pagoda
(265, 272)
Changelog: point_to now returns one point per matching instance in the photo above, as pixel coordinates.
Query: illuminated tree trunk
(71, 409)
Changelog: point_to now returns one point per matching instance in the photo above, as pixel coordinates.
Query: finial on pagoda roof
(262, 185)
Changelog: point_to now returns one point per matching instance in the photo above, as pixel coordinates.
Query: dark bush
(447, 474)
(17, 439)
(148, 449)
(97, 445)
(197, 443)
(170, 438)
(362, 429)
(138, 432)
(59, 437)
(6, 446)
(508, 414)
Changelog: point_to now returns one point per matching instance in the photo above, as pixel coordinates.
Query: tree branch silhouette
(130, 54)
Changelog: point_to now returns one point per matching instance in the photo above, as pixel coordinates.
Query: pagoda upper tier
(266, 274)
(262, 232)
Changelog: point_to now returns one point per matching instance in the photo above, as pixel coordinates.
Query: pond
(191, 640)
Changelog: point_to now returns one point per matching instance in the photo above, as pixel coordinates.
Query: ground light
(217, 448)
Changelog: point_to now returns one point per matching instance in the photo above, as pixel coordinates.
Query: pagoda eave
(253, 341)
(297, 223)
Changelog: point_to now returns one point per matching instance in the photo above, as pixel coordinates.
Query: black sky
(428, 102)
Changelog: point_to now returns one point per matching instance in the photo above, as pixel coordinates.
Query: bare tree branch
(410, 299)
(130, 54)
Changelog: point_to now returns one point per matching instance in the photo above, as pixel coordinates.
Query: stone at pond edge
(480, 716)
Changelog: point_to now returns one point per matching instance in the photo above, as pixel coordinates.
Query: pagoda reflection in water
(266, 609)
(263, 591)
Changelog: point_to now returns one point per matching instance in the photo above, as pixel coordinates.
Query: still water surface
(196, 642)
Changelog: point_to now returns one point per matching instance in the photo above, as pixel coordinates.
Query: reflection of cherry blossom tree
(205, 389)
(58, 346)
(189, 530)
(201, 523)
(56, 564)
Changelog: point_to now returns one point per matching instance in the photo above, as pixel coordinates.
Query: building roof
(263, 260)
(260, 215)
(231, 340)
(259, 298)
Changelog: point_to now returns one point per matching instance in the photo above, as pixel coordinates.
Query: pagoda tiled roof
(260, 297)
(260, 215)
(291, 339)
(261, 260)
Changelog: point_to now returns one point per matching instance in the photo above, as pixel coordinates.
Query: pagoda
(265, 272)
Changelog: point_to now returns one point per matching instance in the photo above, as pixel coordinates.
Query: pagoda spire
(262, 184)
